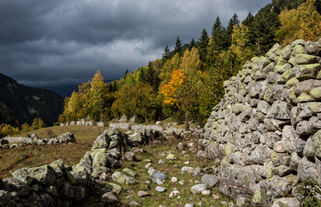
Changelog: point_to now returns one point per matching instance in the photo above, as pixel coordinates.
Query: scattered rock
(157, 175)
(130, 156)
(174, 179)
(109, 198)
(197, 189)
(174, 193)
(143, 194)
(133, 203)
(160, 189)
(209, 180)
(187, 169)
(161, 161)
(171, 157)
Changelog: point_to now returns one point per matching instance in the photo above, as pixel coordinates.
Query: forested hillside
(187, 82)
(20, 104)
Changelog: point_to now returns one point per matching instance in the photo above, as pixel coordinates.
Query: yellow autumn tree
(96, 98)
(169, 90)
(300, 23)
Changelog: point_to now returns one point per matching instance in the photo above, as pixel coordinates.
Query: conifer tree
(192, 44)
(166, 54)
(229, 30)
(203, 42)
(217, 34)
(178, 46)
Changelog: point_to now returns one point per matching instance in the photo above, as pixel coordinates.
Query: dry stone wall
(14, 142)
(266, 129)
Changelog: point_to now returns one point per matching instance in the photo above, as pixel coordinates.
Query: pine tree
(217, 35)
(203, 45)
(178, 46)
(166, 54)
(229, 30)
(192, 44)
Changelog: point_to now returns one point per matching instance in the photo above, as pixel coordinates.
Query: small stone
(180, 146)
(216, 196)
(161, 161)
(109, 198)
(129, 172)
(142, 193)
(174, 179)
(133, 203)
(160, 189)
(197, 189)
(186, 162)
(148, 165)
(197, 171)
(181, 182)
(206, 192)
(130, 156)
(189, 205)
(158, 175)
(278, 147)
(174, 193)
(187, 169)
(171, 157)
(223, 203)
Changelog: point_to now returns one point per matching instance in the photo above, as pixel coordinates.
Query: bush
(309, 190)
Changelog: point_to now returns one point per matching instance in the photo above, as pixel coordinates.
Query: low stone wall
(14, 142)
(266, 129)
(84, 122)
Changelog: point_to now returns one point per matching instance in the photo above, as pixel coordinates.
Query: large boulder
(102, 141)
(44, 175)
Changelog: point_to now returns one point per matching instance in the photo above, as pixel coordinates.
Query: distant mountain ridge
(20, 104)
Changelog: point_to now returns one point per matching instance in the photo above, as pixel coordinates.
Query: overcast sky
(56, 42)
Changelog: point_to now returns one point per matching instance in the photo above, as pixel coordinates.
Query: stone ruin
(265, 132)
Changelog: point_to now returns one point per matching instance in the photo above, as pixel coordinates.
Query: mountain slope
(20, 104)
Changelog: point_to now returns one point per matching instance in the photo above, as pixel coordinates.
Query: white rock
(174, 179)
(187, 169)
(148, 165)
(160, 189)
(181, 182)
(206, 192)
(197, 189)
(174, 193)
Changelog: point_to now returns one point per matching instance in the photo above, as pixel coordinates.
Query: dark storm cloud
(45, 43)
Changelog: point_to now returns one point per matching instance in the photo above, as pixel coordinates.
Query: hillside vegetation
(188, 81)
(21, 104)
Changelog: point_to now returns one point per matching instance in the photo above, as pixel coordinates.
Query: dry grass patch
(32, 156)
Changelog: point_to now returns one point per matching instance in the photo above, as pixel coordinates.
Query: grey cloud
(65, 41)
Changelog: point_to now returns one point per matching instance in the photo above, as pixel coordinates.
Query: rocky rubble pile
(14, 142)
(266, 129)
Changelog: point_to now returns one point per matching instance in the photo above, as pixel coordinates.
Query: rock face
(266, 130)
